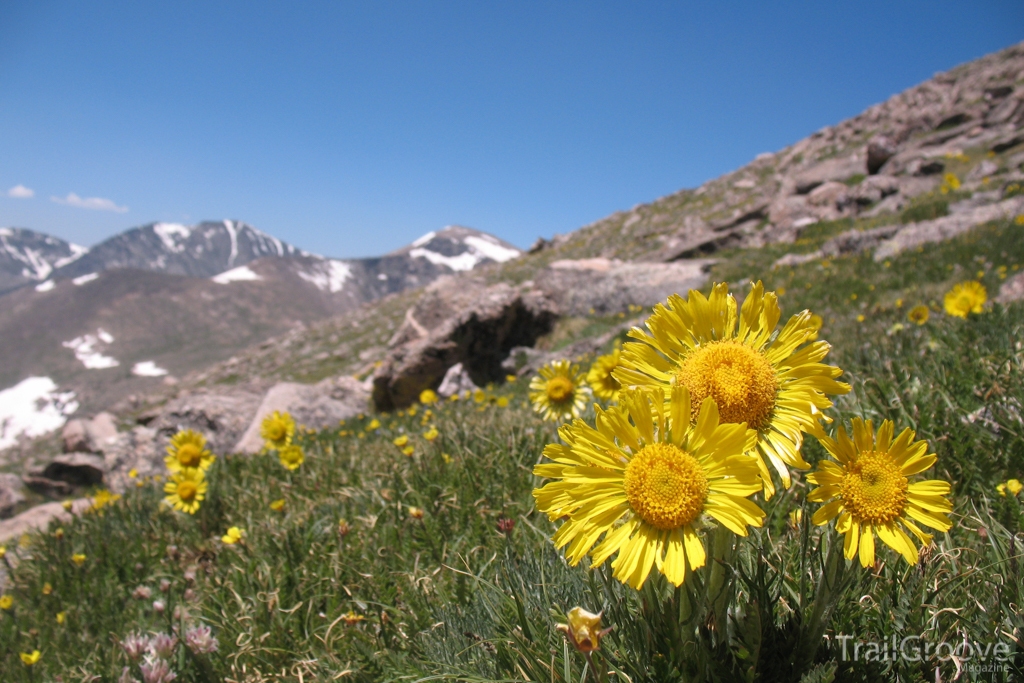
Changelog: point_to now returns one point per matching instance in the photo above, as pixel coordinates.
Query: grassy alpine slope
(383, 566)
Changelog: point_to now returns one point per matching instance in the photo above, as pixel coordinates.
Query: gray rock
(77, 469)
(51, 488)
(457, 379)
(880, 150)
(838, 169)
(38, 517)
(89, 436)
(1012, 289)
(221, 414)
(985, 168)
(465, 323)
(10, 494)
(946, 227)
(602, 286)
(317, 406)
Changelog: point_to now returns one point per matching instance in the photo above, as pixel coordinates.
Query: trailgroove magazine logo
(966, 654)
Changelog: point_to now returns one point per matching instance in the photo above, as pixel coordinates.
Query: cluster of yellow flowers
(278, 430)
(188, 460)
(713, 398)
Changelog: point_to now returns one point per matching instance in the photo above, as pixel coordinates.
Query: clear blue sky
(350, 129)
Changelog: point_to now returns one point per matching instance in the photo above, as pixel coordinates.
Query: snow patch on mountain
(464, 261)
(85, 350)
(328, 275)
(46, 286)
(77, 252)
(169, 234)
(31, 408)
(148, 368)
(423, 240)
(489, 247)
(239, 274)
(82, 279)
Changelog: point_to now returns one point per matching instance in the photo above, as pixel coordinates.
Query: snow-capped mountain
(167, 299)
(202, 250)
(28, 257)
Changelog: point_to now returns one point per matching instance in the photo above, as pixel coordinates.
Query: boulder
(318, 406)
(89, 436)
(838, 169)
(38, 517)
(221, 414)
(880, 150)
(460, 321)
(10, 494)
(830, 195)
(78, 469)
(1012, 289)
(601, 286)
(51, 488)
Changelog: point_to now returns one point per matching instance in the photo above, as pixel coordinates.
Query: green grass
(451, 597)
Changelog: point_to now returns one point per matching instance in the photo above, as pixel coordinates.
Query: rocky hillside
(939, 167)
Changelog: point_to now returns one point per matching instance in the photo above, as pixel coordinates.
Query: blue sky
(350, 129)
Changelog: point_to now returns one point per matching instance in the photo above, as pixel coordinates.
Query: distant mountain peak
(459, 248)
(27, 256)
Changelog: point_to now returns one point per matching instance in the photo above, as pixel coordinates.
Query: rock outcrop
(459, 321)
(317, 406)
(604, 286)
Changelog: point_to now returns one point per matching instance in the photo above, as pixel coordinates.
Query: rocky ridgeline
(472, 328)
(874, 163)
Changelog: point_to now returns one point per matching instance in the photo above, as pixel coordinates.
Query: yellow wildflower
(233, 536)
(584, 630)
(186, 489)
(30, 658)
(277, 505)
(431, 434)
(965, 297)
(558, 392)
(188, 449)
(78, 559)
(918, 314)
(291, 456)
(401, 441)
(6, 602)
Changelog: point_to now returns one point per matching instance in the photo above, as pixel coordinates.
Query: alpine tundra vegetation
(804, 465)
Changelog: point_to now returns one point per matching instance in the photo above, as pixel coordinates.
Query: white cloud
(97, 203)
(21, 192)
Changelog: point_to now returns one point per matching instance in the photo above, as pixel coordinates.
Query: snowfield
(85, 351)
(31, 408)
(239, 274)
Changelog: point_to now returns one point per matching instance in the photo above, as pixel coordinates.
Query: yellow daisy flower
(277, 505)
(600, 378)
(6, 602)
(233, 536)
(78, 559)
(763, 377)
(428, 397)
(869, 490)
(1014, 486)
(965, 297)
(61, 616)
(401, 441)
(374, 425)
(645, 479)
(291, 456)
(30, 658)
(186, 489)
(277, 429)
(431, 434)
(188, 449)
(558, 392)
(408, 451)
(918, 314)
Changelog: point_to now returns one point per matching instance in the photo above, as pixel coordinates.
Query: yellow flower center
(665, 486)
(874, 489)
(189, 455)
(275, 431)
(740, 380)
(187, 490)
(559, 389)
